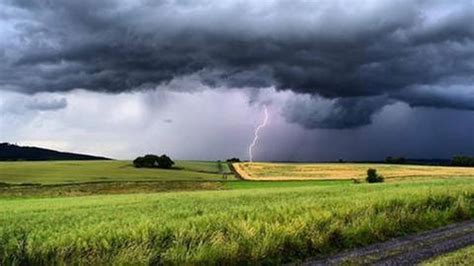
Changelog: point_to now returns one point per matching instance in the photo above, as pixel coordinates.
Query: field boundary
(235, 172)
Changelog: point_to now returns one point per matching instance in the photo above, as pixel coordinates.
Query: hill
(12, 152)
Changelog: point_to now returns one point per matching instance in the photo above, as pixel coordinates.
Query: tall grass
(274, 225)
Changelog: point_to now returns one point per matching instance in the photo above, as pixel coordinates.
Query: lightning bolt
(257, 131)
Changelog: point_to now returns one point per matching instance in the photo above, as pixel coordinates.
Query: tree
(373, 177)
(139, 162)
(233, 160)
(460, 160)
(165, 162)
(153, 161)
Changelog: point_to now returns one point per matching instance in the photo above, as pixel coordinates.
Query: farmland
(341, 171)
(77, 217)
(271, 225)
(64, 172)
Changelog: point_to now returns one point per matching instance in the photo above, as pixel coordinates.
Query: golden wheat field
(341, 171)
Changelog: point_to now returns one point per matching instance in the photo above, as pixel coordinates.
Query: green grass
(282, 184)
(241, 226)
(204, 166)
(463, 256)
(60, 172)
(100, 188)
(130, 187)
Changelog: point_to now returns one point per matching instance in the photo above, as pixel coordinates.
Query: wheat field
(343, 171)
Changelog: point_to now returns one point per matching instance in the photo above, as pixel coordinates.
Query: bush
(153, 161)
(373, 177)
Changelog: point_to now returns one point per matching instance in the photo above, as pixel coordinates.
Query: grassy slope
(463, 256)
(105, 188)
(269, 225)
(57, 172)
(131, 187)
(288, 171)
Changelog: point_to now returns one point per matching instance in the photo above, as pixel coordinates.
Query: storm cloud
(348, 59)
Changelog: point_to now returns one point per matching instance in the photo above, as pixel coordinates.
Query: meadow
(265, 225)
(191, 215)
(67, 172)
(341, 171)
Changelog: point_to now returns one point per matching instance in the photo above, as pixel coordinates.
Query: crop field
(108, 212)
(265, 225)
(63, 172)
(341, 171)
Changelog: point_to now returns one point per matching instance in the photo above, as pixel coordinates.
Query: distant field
(272, 225)
(60, 172)
(341, 171)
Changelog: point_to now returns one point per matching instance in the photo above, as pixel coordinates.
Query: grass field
(226, 222)
(60, 172)
(268, 225)
(129, 187)
(464, 257)
(339, 171)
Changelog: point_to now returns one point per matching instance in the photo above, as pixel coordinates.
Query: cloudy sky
(189, 78)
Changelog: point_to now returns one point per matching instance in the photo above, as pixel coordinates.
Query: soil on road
(407, 250)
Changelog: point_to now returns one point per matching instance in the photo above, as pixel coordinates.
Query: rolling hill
(12, 152)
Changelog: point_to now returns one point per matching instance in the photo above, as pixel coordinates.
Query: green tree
(165, 162)
(153, 161)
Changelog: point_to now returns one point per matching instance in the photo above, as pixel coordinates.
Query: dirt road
(407, 250)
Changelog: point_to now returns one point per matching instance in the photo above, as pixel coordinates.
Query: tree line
(458, 160)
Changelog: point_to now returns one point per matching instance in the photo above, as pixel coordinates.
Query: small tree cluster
(233, 160)
(153, 161)
(462, 161)
(373, 177)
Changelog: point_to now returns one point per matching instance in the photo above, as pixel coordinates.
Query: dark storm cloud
(339, 113)
(408, 50)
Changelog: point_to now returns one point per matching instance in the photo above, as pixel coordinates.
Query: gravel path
(407, 250)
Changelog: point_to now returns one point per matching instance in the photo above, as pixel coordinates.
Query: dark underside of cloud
(359, 58)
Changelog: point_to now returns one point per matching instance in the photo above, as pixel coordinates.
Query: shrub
(373, 177)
